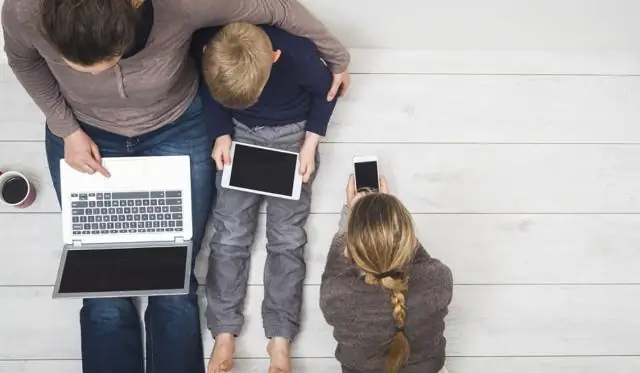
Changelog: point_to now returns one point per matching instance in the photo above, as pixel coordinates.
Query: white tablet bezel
(365, 159)
(228, 169)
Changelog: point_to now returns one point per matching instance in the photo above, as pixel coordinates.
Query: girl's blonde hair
(381, 241)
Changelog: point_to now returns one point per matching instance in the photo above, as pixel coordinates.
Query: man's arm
(288, 15)
(34, 75)
(316, 79)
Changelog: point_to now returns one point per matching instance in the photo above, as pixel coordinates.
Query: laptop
(127, 235)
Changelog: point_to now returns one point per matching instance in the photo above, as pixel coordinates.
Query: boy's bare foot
(221, 360)
(278, 349)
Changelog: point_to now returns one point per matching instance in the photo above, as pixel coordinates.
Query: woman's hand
(353, 195)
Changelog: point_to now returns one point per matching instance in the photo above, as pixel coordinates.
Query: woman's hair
(381, 241)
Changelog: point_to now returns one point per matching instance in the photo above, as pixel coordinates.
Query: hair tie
(399, 329)
(394, 274)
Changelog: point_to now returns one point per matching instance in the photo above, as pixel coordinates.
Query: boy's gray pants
(235, 217)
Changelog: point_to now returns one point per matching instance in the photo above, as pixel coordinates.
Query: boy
(270, 88)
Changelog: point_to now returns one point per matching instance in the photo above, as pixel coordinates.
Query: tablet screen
(263, 170)
(134, 269)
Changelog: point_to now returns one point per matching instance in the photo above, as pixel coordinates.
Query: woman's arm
(336, 261)
(288, 15)
(33, 73)
(344, 220)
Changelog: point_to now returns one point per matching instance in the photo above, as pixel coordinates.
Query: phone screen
(366, 174)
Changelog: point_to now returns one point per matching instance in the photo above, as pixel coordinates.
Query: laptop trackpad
(131, 271)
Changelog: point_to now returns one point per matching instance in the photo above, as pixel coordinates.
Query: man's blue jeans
(110, 328)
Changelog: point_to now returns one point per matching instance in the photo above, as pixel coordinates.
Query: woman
(381, 291)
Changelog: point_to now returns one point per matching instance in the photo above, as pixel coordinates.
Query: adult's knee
(109, 311)
(181, 309)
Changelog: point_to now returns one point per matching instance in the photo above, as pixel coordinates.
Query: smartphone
(366, 172)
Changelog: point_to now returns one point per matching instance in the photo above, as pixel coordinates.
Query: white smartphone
(366, 172)
(262, 170)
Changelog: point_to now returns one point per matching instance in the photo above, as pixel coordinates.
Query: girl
(381, 291)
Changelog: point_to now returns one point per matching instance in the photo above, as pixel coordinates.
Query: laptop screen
(128, 269)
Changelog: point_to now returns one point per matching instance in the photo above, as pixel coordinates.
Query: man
(113, 79)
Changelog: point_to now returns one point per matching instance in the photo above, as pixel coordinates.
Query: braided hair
(381, 241)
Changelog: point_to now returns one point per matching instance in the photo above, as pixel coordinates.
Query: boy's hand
(308, 156)
(221, 151)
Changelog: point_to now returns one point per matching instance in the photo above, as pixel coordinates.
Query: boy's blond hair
(237, 63)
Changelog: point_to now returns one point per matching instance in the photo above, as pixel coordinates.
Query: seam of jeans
(150, 363)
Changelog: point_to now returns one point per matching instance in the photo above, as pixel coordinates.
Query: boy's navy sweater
(297, 88)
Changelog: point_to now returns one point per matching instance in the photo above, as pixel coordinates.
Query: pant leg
(234, 220)
(285, 266)
(111, 336)
(235, 217)
(110, 328)
(174, 342)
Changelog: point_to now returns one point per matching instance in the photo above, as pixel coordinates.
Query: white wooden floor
(522, 170)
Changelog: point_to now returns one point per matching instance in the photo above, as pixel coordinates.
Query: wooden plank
(300, 365)
(484, 321)
(32, 245)
(21, 118)
(564, 364)
(492, 25)
(446, 178)
(495, 62)
(495, 249)
(488, 109)
(522, 25)
(482, 62)
(582, 364)
(427, 108)
(30, 159)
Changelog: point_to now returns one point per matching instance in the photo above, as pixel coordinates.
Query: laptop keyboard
(126, 212)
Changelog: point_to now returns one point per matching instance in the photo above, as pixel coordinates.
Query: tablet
(262, 170)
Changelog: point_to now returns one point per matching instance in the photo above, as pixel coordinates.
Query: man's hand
(339, 86)
(308, 156)
(82, 154)
(221, 153)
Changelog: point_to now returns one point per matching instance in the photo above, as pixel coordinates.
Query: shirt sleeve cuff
(341, 65)
(65, 130)
(316, 126)
(344, 219)
(222, 132)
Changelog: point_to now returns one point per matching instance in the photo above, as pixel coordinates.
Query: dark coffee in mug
(15, 190)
